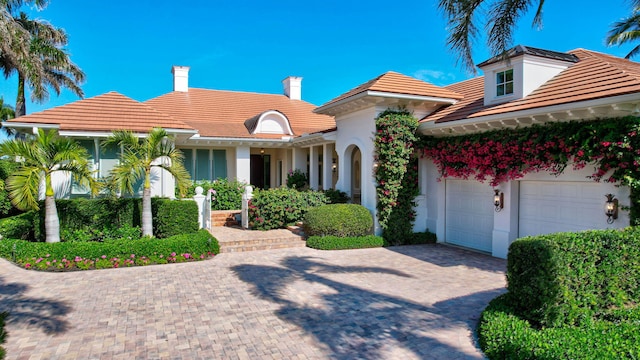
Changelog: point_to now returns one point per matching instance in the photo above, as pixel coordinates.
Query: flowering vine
(396, 177)
(611, 146)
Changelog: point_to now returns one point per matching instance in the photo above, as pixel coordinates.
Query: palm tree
(40, 157)
(626, 30)
(6, 113)
(55, 69)
(14, 39)
(138, 157)
(501, 19)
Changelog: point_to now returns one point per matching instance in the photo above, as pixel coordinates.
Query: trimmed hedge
(27, 252)
(342, 243)
(504, 335)
(227, 196)
(573, 278)
(171, 217)
(280, 207)
(338, 220)
(18, 227)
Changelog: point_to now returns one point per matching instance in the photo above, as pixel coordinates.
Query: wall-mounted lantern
(334, 165)
(498, 200)
(611, 208)
(262, 151)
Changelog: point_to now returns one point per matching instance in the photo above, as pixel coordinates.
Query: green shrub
(418, 238)
(503, 334)
(336, 196)
(171, 217)
(7, 167)
(98, 219)
(341, 243)
(105, 234)
(227, 194)
(115, 253)
(3, 333)
(573, 278)
(279, 207)
(338, 220)
(296, 179)
(18, 227)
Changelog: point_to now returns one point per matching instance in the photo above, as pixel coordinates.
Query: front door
(260, 171)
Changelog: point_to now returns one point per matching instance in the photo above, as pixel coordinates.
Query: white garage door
(469, 214)
(547, 207)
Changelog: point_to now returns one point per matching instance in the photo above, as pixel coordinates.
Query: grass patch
(505, 335)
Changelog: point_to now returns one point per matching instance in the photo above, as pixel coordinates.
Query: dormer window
(504, 83)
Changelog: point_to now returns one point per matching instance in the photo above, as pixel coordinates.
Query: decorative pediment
(269, 122)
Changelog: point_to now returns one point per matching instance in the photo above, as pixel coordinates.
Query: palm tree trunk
(21, 107)
(147, 220)
(51, 221)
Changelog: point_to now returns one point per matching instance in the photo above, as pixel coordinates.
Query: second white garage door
(469, 214)
(547, 207)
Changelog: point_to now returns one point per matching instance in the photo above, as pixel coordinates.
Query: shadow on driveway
(48, 315)
(361, 323)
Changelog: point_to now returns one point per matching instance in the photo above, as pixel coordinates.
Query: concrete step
(224, 217)
(226, 248)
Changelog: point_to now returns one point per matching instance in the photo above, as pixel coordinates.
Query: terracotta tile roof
(595, 76)
(217, 113)
(104, 112)
(393, 82)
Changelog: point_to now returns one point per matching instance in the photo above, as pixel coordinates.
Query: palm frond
(462, 29)
(502, 20)
(23, 187)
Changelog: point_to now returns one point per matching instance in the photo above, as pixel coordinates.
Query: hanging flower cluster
(611, 146)
(397, 182)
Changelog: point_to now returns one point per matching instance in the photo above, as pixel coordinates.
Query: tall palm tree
(627, 30)
(41, 156)
(14, 39)
(138, 157)
(55, 69)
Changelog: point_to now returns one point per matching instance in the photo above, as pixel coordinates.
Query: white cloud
(434, 76)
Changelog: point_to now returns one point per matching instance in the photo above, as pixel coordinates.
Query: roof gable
(106, 112)
(396, 83)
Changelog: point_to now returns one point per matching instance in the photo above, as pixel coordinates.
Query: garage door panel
(469, 214)
(547, 207)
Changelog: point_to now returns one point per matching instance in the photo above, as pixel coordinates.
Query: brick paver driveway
(412, 302)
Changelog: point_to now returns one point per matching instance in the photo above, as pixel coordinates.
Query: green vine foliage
(611, 146)
(396, 174)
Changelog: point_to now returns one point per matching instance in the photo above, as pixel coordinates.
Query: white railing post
(200, 201)
(246, 196)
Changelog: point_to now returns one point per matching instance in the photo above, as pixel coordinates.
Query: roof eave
(326, 109)
(560, 112)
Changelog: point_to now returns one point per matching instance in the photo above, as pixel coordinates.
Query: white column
(199, 199)
(300, 159)
(327, 166)
(505, 222)
(243, 164)
(313, 168)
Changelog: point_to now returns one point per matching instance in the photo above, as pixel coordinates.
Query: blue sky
(335, 45)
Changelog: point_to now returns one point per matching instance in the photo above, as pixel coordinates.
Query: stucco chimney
(180, 78)
(293, 87)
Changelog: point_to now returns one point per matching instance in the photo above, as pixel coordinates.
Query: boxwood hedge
(341, 243)
(572, 278)
(338, 220)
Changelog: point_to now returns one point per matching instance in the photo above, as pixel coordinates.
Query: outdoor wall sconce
(375, 165)
(498, 200)
(262, 151)
(611, 208)
(334, 166)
